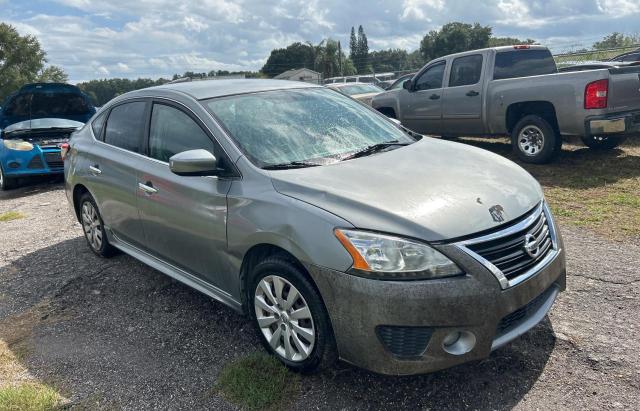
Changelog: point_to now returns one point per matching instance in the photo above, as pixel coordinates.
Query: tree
(53, 74)
(294, 56)
(616, 40)
(22, 61)
(508, 41)
(353, 45)
(454, 37)
(389, 60)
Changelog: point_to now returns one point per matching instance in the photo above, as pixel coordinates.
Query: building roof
(293, 72)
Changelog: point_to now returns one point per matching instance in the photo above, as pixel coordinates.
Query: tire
(602, 143)
(93, 227)
(535, 141)
(6, 183)
(273, 319)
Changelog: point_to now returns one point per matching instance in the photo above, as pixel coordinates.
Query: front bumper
(32, 163)
(611, 124)
(374, 319)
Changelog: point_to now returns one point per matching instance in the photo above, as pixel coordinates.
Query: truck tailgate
(624, 88)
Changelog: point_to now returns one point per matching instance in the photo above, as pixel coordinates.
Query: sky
(153, 38)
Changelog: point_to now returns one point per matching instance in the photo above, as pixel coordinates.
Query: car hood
(432, 190)
(42, 124)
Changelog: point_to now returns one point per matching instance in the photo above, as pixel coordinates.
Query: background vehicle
(397, 84)
(594, 65)
(34, 123)
(276, 198)
(517, 91)
(360, 91)
(631, 56)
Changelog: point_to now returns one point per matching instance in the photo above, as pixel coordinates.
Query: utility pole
(340, 59)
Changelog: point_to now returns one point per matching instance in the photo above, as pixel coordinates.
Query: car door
(462, 98)
(112, 170)
(422, 104)
(184, 217)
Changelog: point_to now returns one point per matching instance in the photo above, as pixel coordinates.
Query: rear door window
(125, 126)
(466, 70)
(523, 63)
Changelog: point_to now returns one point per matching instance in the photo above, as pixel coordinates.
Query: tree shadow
(117, 333)
(33, 185)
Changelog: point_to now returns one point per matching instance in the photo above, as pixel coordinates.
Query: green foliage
(616, 40)
(101, 91)
(508, 41)
(295, 56)
(258, 381)
(454, 38)
(359, 51)
(22, 61)
(28, 397)
(11, 215)
(389, 60)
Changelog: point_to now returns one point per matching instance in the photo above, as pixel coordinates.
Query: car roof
(205, 89)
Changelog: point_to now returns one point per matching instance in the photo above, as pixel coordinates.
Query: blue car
(34, 123)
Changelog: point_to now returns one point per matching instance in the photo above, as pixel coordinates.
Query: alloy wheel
(531, 140)
(92, 225)
(284, 318)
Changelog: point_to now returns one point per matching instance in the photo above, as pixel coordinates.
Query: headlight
(19, 145)
(393, 258)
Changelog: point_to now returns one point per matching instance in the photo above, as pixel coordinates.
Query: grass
(599, 190)
(28, 397)
(11, 215)
(257, 382)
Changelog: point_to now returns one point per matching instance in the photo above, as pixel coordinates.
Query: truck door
(422, 105)
(462, 97)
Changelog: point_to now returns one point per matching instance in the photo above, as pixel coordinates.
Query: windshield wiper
(292, 164)
(374, 148)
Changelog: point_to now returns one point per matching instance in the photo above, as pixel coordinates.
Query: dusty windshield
(360, 89)
(313, 125)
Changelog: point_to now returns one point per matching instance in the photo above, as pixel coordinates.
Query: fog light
(459, 342)
(13, 164)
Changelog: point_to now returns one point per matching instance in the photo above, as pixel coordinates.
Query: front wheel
(602, 142)
(290, 316)
(535, 141)
(6, 183)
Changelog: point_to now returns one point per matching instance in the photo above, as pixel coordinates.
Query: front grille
(54, 159)
(35, 163)
(508, 252)
(520, 315)
(405, 342)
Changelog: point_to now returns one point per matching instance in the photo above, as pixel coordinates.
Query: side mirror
(407, 85)
(194, 163)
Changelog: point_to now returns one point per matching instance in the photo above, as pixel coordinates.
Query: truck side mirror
(407, 85)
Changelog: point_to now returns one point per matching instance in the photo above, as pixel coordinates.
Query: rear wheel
(535, 141)
(602, 142)
(6, 183)
(93, 227)
(290, 316)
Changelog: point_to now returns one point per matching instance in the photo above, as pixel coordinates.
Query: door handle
(472, 93)
(95, 170)
(434, 96)
(147, 188)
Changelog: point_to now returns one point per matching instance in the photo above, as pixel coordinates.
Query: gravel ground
(117, 334)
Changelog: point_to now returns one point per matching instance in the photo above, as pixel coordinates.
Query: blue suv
(35, 122)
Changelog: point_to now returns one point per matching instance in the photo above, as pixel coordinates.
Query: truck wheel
(534, 140)
(602, 142)
(6, 183)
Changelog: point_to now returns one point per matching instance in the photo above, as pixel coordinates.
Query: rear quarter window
(523, 63)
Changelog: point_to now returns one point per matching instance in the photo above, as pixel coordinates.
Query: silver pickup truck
(517, 91)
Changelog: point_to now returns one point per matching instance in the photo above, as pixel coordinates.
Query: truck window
(466, 70)
(432, 78)
(523, 63)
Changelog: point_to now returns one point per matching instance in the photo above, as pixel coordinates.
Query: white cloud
(419, 9)
(619, 8)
